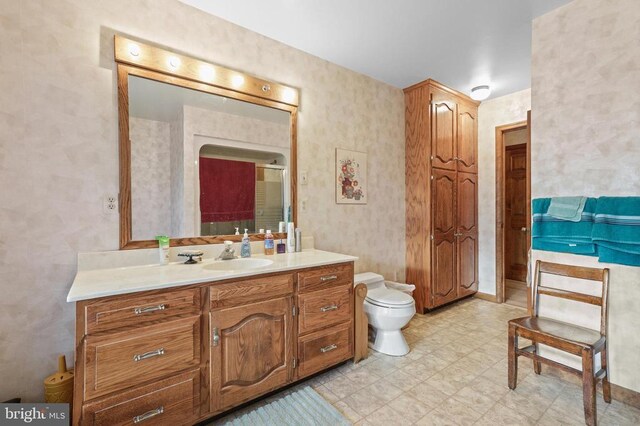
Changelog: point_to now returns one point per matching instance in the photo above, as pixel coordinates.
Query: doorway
(513, 212)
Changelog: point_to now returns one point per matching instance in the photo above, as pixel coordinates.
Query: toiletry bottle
(268, 243)
(163, 249)
(237, 231)
(291, 238)
(245, 249)
(281, 247)
(298, 239)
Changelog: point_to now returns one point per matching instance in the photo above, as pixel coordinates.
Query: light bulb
(237, 80)
(289, 94)
(207, 72)
(134, 49)
(174, 62)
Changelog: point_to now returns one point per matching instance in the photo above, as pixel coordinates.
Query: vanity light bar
(154, 58)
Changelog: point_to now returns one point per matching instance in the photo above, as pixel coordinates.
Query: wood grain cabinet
(441, 194)
(179, 356)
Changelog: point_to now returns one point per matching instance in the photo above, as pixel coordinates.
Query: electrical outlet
(303, 178)
(110, 204)
(303, 204)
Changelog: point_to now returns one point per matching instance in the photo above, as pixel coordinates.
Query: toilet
(388, 310)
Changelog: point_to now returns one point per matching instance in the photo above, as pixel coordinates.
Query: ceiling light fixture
(480, 93)
(207, 72)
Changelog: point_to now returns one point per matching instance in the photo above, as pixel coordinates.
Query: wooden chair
(576, 340)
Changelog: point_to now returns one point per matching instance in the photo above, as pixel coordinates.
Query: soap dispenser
(245, 249)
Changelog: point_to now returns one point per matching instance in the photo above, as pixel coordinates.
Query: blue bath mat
(302, 407)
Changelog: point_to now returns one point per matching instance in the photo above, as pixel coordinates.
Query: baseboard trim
(618, 392)
(486, 296)
(628, 396)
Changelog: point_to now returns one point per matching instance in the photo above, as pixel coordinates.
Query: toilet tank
(371, 279)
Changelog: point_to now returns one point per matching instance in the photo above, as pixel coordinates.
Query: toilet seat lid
(389, 297)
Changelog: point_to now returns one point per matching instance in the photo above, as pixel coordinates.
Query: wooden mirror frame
(154, 63)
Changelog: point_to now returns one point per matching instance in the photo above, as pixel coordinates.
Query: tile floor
(456, 374)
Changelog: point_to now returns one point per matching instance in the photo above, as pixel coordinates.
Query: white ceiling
(461, 43)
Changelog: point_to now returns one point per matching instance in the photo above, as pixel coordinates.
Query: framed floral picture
(351, 177)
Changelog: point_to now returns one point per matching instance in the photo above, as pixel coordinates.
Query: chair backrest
(580, 272)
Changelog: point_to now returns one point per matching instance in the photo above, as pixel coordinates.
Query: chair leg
(606, 385)
(513, 357)
(588, 388)
(537, 365)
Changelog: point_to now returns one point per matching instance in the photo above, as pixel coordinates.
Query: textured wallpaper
(492, 113)
(150, 178)
(59, 154)
(586, 136)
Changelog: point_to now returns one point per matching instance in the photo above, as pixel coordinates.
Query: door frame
(500, 198)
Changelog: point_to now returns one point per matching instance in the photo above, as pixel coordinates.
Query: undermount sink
(238, 264)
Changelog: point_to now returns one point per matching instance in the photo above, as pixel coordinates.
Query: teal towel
(617, 230)
(567, 208)
(552, 234)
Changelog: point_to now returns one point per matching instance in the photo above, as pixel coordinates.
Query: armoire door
(251, 351)
(467, 233)
(443, 244)
(467, 144)
(443, 130)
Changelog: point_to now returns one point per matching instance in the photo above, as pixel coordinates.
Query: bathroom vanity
(177, 344)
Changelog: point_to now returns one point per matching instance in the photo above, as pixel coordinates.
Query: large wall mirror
(200, 160)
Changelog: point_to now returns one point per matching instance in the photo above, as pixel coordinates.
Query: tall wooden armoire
(441, 194)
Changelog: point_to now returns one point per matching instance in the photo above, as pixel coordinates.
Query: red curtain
(227, 190)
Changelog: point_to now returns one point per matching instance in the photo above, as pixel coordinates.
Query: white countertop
(94, 283)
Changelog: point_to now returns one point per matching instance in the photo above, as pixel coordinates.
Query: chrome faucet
(228, 253)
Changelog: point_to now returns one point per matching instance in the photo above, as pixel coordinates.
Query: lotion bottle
(245, 249)
(163, 249)
(291, 238)
(268, 243)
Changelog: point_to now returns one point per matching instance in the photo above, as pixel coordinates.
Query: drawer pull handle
(328, 348)
(148, 355)
(216, 337)
(328, 278)
(148, 309)
(148, 415)
(328, 308)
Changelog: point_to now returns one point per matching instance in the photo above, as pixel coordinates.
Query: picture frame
(351, 177)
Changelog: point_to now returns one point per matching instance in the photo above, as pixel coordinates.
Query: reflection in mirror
(203, 164)
(241, 188)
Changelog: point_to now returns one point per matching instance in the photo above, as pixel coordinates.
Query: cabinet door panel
(467, 260)
(443, 201)
(443, 131)
(443, 282)
(467, 141)
(251, 352)
(443, 249)
(467, 200)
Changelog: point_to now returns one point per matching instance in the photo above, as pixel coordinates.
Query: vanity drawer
(325, 348)
(119, 312)
(326, 277)
(173, 401)
(124, 359)
(243, 292)
(324, 308)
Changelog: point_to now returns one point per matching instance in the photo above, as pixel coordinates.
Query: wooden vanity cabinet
(181, 355)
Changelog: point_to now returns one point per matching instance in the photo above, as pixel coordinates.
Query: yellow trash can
(59, 386)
